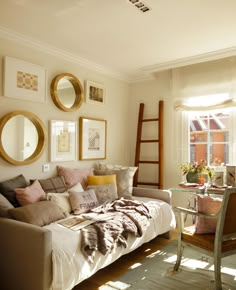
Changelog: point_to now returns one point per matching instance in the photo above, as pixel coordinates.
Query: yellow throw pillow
(102, 179)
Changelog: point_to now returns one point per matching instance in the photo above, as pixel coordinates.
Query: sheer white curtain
(213, 83)
(204, 86)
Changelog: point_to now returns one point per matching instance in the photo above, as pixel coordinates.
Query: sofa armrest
(161, 194)
(25, 255)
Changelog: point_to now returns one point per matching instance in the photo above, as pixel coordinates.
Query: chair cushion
(208, 205)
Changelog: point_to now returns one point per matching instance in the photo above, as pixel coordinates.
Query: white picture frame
(24, 80)
(95, 93)
(92, 138)
(63, 141)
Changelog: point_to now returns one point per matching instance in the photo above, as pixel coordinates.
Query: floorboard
(122, 265)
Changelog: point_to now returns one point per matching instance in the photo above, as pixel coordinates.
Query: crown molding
(52, 50)
(191, 60)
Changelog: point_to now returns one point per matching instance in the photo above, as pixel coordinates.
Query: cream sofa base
(26, 250)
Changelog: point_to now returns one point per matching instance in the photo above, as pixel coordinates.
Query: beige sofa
(26, 250)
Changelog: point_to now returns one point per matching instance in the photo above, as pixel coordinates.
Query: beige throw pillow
(40, 213)
(83, 201)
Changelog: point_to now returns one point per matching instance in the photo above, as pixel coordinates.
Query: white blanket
(70, 267)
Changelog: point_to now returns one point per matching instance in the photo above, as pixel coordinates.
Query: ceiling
(116, 38)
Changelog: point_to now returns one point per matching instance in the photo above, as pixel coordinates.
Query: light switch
(46, 167)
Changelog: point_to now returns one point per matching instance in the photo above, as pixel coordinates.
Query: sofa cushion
(105, 192)
(83, 201)
(40, 213)
(208, 205)
(5, 205)
(74, 175)
(61, 200)
(122, 180)
(110, 167)
(102, 179)
(7, 188)
(54, 184)
(30, 194)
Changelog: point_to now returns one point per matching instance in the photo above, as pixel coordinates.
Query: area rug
(155, 272)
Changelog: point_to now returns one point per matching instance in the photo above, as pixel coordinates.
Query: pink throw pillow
(74, 175)
(30, 194)
(208, 205)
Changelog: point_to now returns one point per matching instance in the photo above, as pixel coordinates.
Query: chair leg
(179, 256)
(217, 268)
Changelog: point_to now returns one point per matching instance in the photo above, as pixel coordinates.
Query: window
(210, 136)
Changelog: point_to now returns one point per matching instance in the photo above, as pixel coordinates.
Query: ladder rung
(150, 120)
(149, 183)
(150, 141)
(149, 162)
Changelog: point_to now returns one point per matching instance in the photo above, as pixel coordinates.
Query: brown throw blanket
(113, 222)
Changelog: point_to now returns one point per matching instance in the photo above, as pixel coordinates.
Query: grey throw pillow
(5, 205)
(7, 188)
(122, 180)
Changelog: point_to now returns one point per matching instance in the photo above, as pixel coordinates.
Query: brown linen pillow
(54, 184)
(83, 201)
(5, 205)
(7, 188)
(40, 213)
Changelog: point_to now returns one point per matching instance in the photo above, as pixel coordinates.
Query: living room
(195, 58)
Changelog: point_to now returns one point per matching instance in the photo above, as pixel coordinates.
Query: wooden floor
(122, 264)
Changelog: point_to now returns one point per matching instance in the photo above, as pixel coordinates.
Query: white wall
(150, 92)
(115, 111)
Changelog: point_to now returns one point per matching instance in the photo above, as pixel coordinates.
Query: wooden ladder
(159, 141)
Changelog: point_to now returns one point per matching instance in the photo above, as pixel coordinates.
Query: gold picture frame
(95, 93)
(92, 138)
(24, 80)
(63, 140)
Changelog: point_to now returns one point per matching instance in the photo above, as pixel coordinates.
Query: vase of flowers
(197, 172)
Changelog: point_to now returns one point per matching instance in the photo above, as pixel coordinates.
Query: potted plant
(196, 172)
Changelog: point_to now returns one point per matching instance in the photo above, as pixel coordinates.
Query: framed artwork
(63, 146)
(24, 80)
(93, 134)
(95, 93)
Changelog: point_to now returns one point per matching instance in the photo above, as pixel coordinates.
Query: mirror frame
(79, 96)
(41, 137)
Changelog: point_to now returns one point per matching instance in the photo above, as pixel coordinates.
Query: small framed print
(93, 135)
(95, 93)
(63, 140)
(24, 80)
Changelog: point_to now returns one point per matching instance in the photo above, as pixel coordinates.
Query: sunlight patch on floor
(115, 285)
(136, 265)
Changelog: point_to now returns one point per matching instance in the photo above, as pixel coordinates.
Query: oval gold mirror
(67, 92)
(22, 137)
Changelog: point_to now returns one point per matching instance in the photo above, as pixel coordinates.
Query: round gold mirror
(22, 137)
(67, 92)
